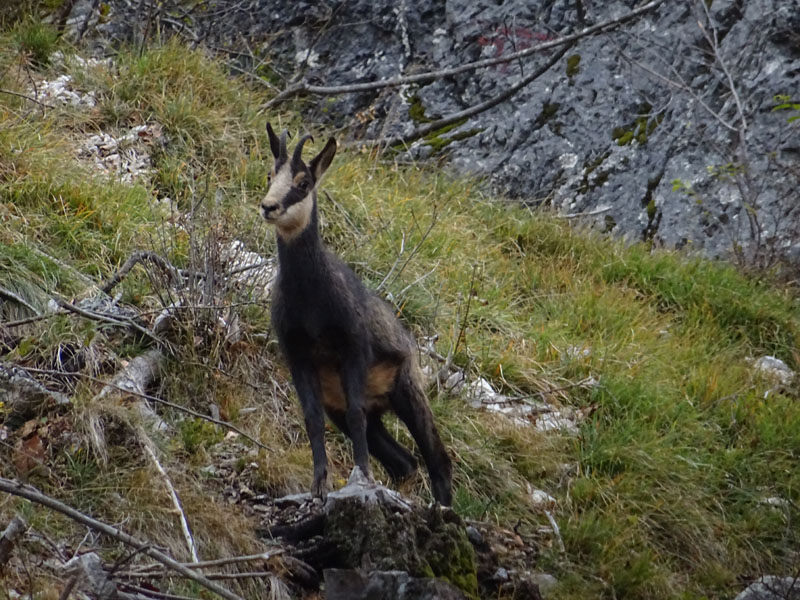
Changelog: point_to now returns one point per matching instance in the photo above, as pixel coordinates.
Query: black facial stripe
(294, 196)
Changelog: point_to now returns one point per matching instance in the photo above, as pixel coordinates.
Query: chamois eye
(303, 184)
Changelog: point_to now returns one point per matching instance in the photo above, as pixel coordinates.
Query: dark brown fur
(348, 353)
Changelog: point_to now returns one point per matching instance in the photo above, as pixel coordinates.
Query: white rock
(540, 498)
(770, 587)
(455, 382)
(773, 368)
(545, 581)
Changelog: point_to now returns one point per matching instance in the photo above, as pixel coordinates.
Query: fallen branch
(154, 570)
(8, 540)
(304, 88)
(28, 492)
(138, 375)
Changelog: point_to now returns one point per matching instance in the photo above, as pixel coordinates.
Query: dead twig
(28, 492)
(68, 588)
(8, 294)
(18, 95)
(118, 322)
(204, 564)
(304, 88)
(187, 534)
(136, 258)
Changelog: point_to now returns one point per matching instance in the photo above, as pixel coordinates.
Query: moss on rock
(430, 542)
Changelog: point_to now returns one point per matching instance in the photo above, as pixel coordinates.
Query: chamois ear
(320, 163)
(274, 144)
(278, 146)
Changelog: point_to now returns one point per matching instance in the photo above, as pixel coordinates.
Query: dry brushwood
(28, 492)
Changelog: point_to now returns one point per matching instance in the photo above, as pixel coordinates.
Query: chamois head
(289, 203)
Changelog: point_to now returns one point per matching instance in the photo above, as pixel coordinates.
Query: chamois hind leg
(408, 401)
(397, 460)
(353, 376)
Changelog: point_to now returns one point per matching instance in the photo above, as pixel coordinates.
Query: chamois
(347, 352)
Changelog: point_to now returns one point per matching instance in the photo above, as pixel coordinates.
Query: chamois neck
(303, 245)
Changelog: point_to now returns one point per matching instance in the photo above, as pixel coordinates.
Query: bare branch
(119, 322)
(136, 258)
(18, 95)
(28, 492)
(476, 109)
(305, 88)
(8, 294)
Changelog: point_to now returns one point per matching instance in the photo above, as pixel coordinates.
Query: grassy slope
(668, 473)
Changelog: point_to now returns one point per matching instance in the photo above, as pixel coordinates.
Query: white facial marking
(280, 186)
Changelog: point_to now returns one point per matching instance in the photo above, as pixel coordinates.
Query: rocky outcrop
(671, 128)
(367, 541)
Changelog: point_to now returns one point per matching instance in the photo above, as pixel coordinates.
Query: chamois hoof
(319, 489)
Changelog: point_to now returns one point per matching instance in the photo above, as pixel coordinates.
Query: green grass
(671, 467)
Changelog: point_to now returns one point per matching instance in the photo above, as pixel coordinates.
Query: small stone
(474, 536)
(545, 581)
(774, 368)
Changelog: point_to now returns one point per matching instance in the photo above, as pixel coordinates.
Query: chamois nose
(268, 209)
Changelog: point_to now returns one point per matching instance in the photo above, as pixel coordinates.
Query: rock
(369, 527)
(774, 369)
(91, 576)
(540, 498)
(599, 130)
(545, 582)
(354, 584)
(770, 587)
(24, 397)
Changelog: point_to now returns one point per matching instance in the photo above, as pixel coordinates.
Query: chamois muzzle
(269, 211)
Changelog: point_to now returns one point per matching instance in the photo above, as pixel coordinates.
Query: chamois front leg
(354, 374)
(306, 382)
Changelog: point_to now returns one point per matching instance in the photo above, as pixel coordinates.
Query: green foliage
(784, 102)
(37, 40)
(197, 434)
(573, 65)
(640, 130)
